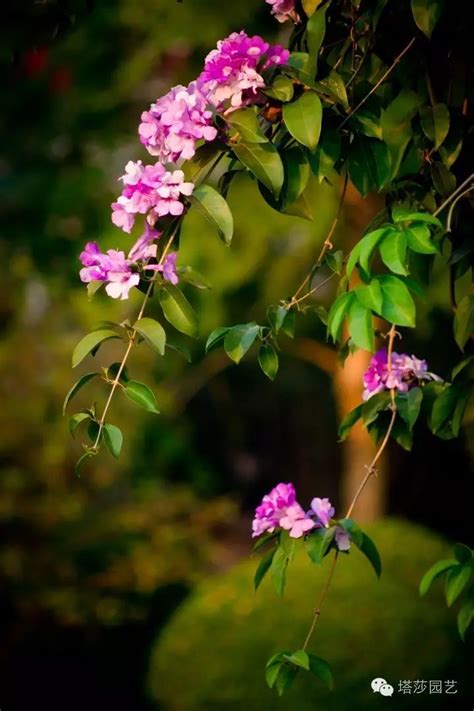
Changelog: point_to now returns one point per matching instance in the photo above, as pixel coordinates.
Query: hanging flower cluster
(232, 75)
(406, 372)
(122, 273)
(171, 130)
(279, 509)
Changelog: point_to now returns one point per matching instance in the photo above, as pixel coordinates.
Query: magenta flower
(323, 510)
(175, 123)
(232, 73)
(296, 522)
(113, 267)
(272, 508)
(343, 540)
(150, 190)
(283, 10)
(406, 372)
(168, 268)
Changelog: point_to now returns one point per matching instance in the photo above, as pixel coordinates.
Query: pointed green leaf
(268, 361)
(337, 314)
(216, 336)
(321, 669)
(178, 311)
(299, 659)
(463, 553)
(370, 295)
(75, 420)
(375, 404)
(246, 122)
(141, 394)
(315, 31)
(409, 405)
(278, 569)
(318, 543)
(303, 119)
(440, 567)
(369, 164)
(297, 173)
(398, 305)
(465, 616)
(113, 438)
(263, 160)
(349, 421)
(426, 14)
(239, 339)
(281, 89)
(456, 581)
(464, 320)
(215, 209)
(263, 567)
(361, 326)
(326, 154)
(76, 387)
(91, 343)
(153, 333)
(369, 549)
(419, 240)
(393, 250)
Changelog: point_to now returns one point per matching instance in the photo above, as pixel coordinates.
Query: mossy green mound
(213, 652)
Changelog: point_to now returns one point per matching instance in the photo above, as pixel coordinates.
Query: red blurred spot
(35, 61)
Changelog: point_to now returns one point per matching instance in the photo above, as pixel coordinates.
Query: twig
(317, 611)
(454, 194)
(396, 61)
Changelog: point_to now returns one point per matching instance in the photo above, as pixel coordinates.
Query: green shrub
(213, 652)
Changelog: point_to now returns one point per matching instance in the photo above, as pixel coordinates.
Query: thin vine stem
(454, 194)
(131, 343)
(371, 470)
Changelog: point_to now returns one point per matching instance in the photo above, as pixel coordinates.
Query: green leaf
(393, 250)
(401, 214)
(216, 336)
(435, 123)
(297, 173)
(75, 420)
(141, 394)
(426, 14)
(76, 387)
(303, 119)
(299, 659)
(375, 404)
(464, 320)
(263, 160)
(113, 438)
(445, 405)
(369, 164)
(337, 314)
(268, 360)
(368, 124)
(153, 333)
(440, 567)
(239, 339)
(281, 89)
(460, 367)
(321, 669)
(178, 311)
(334, 260)
(246, 122)
(315, 31)
(179, 348)
(278, 569)
(353, 529)
(334, 87)
(443, 180)
(90, 344)
(191, 276)
(276, 316)
(419, 240)
(310, 6)
(463, 553)
(465, 616)
(360, 326)
(263, 567)
(370, 295)
(456, 581)
(272, 669)
(349, 421)
(285, 678)
(318, 543)
(409, 405)
(398, 305)
(327, 153)
(301, 207)
(215, 209)
(369, 549)
(396, 126)
(364, 249)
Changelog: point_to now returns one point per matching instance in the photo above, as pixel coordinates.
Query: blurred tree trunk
(358, 449)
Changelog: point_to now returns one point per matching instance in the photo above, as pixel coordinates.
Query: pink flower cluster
(150, 190)
(406, 372)
(122, 273)
(279, 509)
(283, 10)
(232, 72)
(175, 122)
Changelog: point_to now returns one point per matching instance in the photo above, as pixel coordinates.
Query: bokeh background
(94, 568)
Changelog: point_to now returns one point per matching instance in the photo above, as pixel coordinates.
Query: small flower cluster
(150, 190)
(122, 273)
(232, 72)
(279, 509)
(405, 373)
(171, 130)
(175, 122)
(283, 10)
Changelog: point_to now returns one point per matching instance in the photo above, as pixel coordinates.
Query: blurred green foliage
(223, 634)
